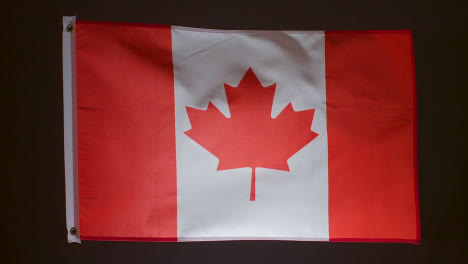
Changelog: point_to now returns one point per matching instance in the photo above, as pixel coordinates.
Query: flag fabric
(184, 134)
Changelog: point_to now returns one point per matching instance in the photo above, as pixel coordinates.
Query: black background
(32, 82)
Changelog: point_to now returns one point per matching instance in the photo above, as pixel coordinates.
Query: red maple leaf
(251, 137)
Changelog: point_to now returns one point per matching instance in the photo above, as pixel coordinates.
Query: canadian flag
(183, 134)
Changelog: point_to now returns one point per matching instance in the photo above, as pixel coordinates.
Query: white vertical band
(69, 128)
(215, 205)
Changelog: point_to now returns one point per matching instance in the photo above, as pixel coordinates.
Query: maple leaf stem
(252, 186)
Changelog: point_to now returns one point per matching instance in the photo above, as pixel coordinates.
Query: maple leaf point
(251, 137)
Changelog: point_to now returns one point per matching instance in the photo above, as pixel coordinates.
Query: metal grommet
(73, 231)
(69, 28)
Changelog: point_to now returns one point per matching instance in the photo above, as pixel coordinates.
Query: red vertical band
(126, 132)
(371, 123)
